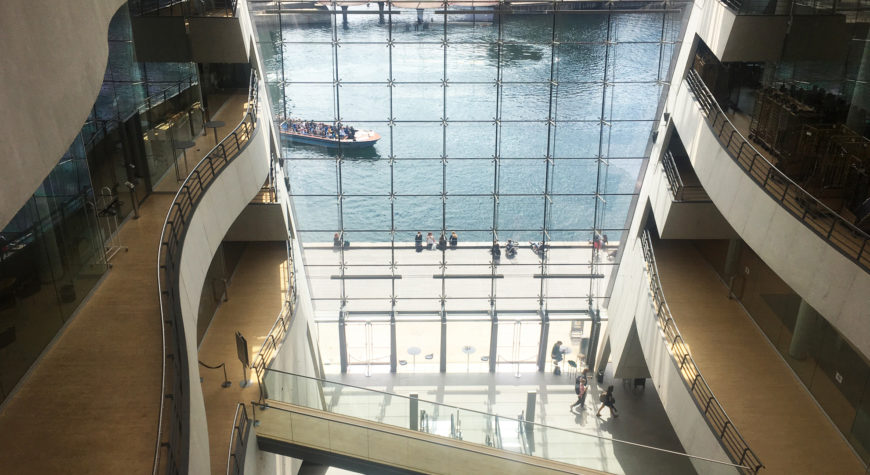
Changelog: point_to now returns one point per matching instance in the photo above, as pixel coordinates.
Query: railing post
(743, 457)
(724, 428)
(863, 246)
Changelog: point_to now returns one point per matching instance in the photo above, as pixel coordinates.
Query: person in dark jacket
(557, 355)
(418, 242)
(607, 400)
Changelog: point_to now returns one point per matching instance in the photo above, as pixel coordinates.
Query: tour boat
(301, 131)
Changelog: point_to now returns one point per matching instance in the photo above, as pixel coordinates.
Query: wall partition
(497, 122)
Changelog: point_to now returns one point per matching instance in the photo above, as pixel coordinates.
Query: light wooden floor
(775, 414)
(256, 294)
(91, 403)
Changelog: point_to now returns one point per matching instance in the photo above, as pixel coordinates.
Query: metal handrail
(679, 190)
(273, 339)
(238, 437)
(733, 443)
(815, 215)
(528, 425)
(168, 258)
(161, 96)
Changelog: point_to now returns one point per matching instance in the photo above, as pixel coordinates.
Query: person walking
(580, 390)
(609, 401)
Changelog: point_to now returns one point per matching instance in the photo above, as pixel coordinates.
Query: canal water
(589, 103)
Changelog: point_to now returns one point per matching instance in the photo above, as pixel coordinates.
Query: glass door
(368, 344)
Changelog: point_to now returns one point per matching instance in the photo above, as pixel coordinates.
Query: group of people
(430, 241)
(581, 385)
(510, 249)
(321, 130)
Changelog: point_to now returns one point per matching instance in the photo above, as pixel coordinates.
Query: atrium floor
(641, 420)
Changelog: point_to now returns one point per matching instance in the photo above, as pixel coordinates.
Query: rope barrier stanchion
(227, 383)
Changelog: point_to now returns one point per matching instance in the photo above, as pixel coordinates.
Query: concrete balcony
(816, 252)
(680, 205)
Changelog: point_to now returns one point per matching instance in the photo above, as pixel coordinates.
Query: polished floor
(230, 111)
(642, 419)
(90, 404)
(772, 410)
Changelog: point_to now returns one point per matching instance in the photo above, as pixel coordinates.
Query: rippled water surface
(450, 119)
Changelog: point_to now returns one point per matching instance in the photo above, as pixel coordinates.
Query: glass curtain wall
(496, 123)
(165, 96)
(52, 253)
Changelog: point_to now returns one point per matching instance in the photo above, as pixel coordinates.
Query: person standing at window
(430, 241)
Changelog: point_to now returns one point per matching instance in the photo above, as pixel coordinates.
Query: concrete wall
(228, 195)
(54, 59)
(682, 220)
(756, 38)
(835, 286)
(218, 40)
(259, 222)
(632, 302)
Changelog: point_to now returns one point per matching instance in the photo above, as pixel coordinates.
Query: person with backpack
(608, 400)
(580, 390)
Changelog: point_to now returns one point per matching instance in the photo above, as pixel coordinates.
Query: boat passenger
(454, 240)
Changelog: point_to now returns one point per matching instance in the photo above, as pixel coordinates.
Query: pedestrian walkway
(761, 395)
(255, 297)
(91, 403)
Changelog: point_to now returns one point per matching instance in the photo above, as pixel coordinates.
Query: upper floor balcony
(810, 169)
(854, 11)
(812, 242)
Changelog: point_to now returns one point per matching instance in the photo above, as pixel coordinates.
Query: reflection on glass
(474, 427)
(489, 130)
